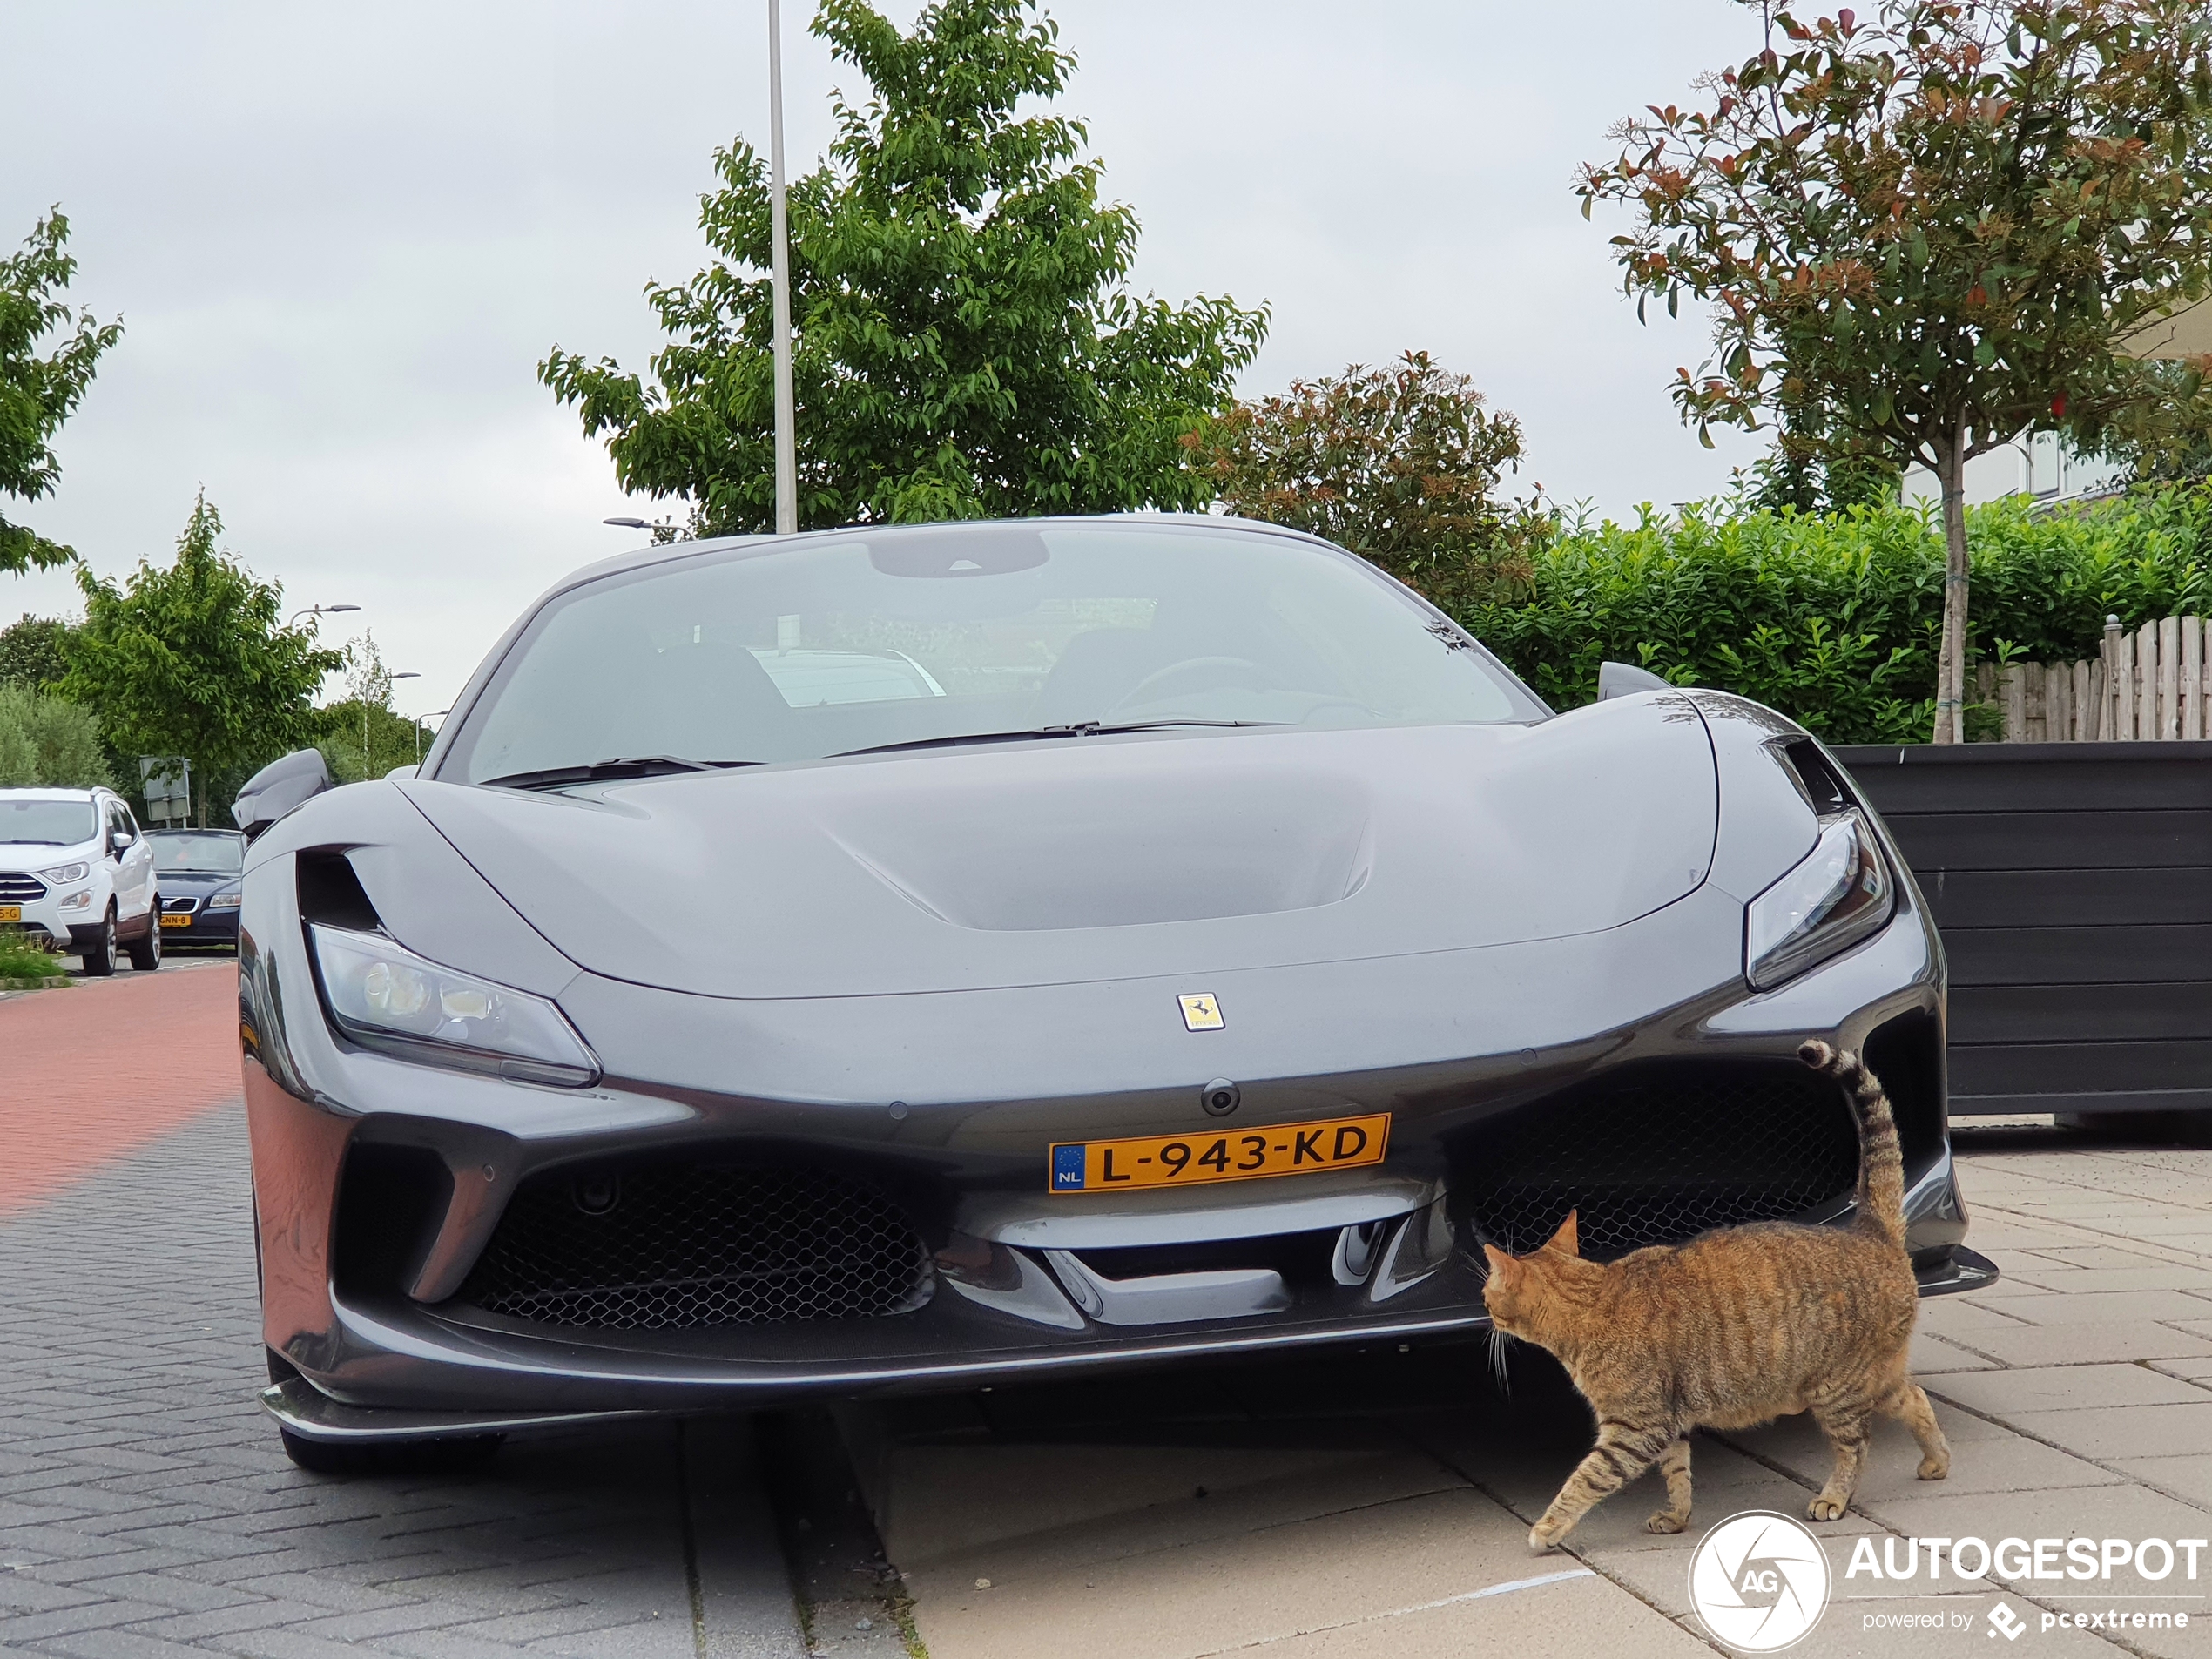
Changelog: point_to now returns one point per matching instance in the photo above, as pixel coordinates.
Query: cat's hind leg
(1674, 1464)
(1622, 1453)
(1909, 1403)
(1846, 1428)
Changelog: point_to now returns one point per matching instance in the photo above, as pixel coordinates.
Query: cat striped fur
(1733, 1329)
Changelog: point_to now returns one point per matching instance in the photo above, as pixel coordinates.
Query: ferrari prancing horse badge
(1200, 1013)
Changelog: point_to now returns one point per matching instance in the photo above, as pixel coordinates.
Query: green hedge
(1835, 620)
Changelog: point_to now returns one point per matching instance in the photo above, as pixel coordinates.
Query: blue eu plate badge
(1067, 1168)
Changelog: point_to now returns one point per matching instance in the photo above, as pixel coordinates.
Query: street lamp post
(321, 611)
(779, 235)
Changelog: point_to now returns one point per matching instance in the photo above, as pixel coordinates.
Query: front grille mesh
(691, 1247)
(1659, 1160)
(21, 889)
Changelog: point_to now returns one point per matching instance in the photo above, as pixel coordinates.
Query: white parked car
(75, 867)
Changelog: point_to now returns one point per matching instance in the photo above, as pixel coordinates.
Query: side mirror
(276, 788)
(1623, 679)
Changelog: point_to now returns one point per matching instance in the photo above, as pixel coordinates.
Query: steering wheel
(1200, 672)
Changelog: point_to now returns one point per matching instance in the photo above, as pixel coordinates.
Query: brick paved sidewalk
(1380, 1506)
(147, 1511)
(95, 1070)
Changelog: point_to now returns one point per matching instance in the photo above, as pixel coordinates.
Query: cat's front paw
(1544, 1536)
(1824, 1508)
(1666, 1521)
(1934, 1468)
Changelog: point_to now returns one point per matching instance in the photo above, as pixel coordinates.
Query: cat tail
(1881, 1161)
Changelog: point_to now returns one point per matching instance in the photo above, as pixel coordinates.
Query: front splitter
(313, 1415)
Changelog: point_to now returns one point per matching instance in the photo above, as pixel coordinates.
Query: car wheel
(145, 954)
(99, 956)
(461, 1455)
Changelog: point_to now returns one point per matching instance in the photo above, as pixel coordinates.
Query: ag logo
(1759, 1581)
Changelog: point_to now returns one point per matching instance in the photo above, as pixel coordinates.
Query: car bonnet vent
(330, 892)
(1821, 784)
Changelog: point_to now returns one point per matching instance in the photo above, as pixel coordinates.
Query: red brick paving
(89, 1074)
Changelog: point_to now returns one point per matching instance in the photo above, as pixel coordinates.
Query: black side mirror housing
(276, 788)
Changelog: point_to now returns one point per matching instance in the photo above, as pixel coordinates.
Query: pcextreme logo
(1759, 1581)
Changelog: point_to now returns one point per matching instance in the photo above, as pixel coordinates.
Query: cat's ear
(1498, 1259)
(1565, 1239)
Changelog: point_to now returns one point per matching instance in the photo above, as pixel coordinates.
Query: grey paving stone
(147, 1511)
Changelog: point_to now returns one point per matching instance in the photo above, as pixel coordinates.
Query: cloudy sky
(340, 240)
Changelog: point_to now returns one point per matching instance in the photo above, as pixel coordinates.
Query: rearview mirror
(276, 788)
(1621, 679)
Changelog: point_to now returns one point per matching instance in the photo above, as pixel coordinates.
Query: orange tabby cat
(1731, 1330)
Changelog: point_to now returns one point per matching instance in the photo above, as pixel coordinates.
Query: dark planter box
(2073, 885)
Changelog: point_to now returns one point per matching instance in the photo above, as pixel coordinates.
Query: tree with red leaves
(1935, 227)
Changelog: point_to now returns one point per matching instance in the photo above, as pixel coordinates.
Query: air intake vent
(1658, 1160)
(686, 1248)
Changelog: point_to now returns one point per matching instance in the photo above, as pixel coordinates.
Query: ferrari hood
(1102, 857)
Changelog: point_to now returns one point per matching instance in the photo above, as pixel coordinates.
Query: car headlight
(224, 901)
(62, 874)
(384, 997)
(1839, 894)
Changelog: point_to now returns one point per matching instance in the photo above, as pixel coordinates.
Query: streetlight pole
(779, 235)
(320, 610)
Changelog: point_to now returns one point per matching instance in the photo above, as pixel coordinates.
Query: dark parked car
(201, 871)
(1201, 948)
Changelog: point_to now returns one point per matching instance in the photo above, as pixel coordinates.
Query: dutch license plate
(175, 921)
(1218, 1155)
(11, 913)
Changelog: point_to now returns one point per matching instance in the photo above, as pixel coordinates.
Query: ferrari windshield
(944, 634)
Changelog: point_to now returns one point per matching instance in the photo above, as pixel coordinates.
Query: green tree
(1933, 226)
(34, 652)
(39, 393)
(46, 741)
(964, 342)
(361, 734)
(195, 660)
(1402, 465)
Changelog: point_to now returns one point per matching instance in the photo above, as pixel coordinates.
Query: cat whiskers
(1498, 1369)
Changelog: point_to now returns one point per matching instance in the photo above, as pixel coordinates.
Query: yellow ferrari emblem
(1200, 1013)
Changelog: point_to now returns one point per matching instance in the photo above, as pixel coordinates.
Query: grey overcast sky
(341, 238)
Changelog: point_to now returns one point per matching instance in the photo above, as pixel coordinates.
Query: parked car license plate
(1219, 1155)
(175, 921)
(11, 913)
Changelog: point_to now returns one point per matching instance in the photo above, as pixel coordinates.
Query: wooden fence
(2073, 885)
(2144, 687)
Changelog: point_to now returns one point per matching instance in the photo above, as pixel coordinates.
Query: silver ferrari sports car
(918, 957)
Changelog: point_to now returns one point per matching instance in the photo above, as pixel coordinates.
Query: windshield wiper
(1080, 729)
(601, 771)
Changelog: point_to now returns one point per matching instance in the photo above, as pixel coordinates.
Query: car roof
(39, 791)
